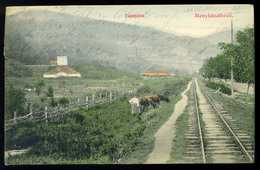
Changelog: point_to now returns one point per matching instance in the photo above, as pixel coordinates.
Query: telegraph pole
(231, 62)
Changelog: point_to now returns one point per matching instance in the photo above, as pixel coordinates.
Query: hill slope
(35, 37)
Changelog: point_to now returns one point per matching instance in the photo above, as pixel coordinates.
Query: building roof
(156, 74)
(53, 61)
(62, 69)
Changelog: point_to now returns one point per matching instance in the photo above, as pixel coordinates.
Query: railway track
(213, 134)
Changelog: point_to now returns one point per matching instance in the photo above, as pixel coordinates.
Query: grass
(180, 142)
(248, 98)
(153, 119)
(94, 136)
(91, 75)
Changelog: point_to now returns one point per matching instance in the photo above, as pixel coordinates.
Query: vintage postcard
(129, 84)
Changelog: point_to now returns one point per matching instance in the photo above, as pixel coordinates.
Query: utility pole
(231, 62)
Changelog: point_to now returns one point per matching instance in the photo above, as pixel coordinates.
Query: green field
(100, 135)
(94, 80)
(93, 136)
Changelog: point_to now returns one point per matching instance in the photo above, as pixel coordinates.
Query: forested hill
(35, 37)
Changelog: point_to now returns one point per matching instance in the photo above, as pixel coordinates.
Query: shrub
(100, 131)
(216, 86)
(64, 101)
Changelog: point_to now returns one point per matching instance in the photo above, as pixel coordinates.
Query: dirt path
(164, 136)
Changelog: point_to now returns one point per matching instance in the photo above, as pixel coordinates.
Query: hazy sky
(179, 18)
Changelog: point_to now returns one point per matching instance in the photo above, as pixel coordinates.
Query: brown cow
(145, 102)
(157, 98)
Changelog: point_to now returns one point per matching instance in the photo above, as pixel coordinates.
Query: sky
(192, 20)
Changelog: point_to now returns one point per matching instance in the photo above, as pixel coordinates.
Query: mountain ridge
(35, 37)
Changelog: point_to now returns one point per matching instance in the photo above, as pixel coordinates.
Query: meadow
(103, 134)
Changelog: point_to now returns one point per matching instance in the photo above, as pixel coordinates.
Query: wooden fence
(53, 114)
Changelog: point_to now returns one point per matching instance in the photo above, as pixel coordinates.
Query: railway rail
(213, 134)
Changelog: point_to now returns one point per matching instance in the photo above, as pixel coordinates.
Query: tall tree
(244, 63)
(243, 56)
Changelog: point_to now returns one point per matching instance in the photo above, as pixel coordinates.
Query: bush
(64, 101)
(216, 86)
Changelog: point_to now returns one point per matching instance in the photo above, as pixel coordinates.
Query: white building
(62, 60)
(62, 72)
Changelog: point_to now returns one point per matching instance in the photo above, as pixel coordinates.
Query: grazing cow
(157, 98)
(164, 98)
(145, 102)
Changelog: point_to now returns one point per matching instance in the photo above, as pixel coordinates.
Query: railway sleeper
(226, 152)
(222, 148)
(192, 153)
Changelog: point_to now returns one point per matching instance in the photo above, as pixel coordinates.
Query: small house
(62, 71)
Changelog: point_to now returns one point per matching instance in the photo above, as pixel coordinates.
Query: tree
(43, 95)
(242, 56)
(14, 101)
(244, 63)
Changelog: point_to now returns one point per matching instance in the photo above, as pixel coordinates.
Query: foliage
(240, 58)
(50, 93)
(14, 101)
(244, 63)
(18, 71)
(99, 132)
(144, 89)
(39, 89)
(216, 86)
(63, 100)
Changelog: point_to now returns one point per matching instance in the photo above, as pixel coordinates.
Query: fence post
(46, 114)
(100, 96)
(87, 102)
(123, 84)
(15, 117)
(110, 96)
(78, 102)
(70, 105)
